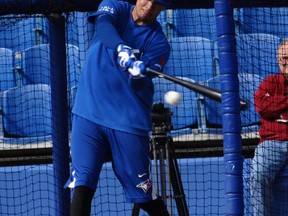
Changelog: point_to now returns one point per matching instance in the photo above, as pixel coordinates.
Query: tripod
(166, 170)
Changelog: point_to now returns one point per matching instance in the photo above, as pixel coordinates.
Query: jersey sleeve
(110, 7)
(106, 26)
(105, 20)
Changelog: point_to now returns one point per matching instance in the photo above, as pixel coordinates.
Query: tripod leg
(169, 188)
(177, 183)
(162, 173)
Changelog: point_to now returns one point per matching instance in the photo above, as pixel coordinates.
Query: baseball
(172, 97)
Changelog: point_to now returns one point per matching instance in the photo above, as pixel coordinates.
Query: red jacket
(271, 103)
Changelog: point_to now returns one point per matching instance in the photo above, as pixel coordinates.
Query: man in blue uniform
(112, 110)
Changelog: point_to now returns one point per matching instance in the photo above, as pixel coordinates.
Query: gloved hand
(137, 69)
(125, 56)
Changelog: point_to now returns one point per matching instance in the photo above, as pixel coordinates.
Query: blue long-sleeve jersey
(106, 94)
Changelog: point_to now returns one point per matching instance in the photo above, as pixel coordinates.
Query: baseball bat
(212, 93)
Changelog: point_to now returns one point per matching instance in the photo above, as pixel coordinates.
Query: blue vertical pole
(229, 84)
(59, 113)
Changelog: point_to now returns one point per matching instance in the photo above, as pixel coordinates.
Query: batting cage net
(42, 53)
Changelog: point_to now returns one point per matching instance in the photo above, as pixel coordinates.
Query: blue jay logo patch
(145, 185)
(107, 9)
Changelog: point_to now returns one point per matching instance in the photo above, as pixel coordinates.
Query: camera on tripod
(167, 173)
(161, 119)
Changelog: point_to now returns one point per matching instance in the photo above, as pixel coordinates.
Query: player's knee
(155, 208)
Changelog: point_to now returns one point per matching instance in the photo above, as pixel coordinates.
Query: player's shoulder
(158, 31)
(161, 40)
(112, 7)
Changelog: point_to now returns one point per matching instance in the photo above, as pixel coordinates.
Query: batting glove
(125, 56)
(137, 69)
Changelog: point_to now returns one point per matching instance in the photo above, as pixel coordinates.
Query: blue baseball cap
(166, 3)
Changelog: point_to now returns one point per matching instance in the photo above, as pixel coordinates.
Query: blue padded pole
(229, 85)
(59, 113)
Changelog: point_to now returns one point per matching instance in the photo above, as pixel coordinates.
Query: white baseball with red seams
(172, 97)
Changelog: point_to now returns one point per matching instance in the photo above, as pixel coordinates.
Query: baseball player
(112, 110)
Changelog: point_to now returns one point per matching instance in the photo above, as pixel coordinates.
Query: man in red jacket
(271, 154)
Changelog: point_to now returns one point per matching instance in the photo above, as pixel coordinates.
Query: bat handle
(153, 71)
